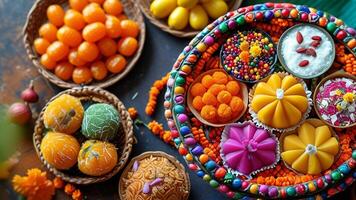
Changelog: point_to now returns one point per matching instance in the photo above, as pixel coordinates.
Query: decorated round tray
(296, 138)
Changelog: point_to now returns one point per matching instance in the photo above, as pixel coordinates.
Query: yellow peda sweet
(280, 102)
(64, 114)
(311, 149)
(97, 158)
(60, 150)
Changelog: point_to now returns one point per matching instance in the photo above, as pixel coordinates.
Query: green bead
(180, 80)
(238, 195)
(173, 73)
(223, 27)
(213, 183)
(290, 191)
(206, 177)
(331, 27)
(228, 178)
(240, 20)
(354, 154)
(336, 175)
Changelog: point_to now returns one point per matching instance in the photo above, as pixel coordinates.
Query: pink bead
(230, 194)
(193, 167)
(300, 189)
(304, 16)
(174, 133)
(223, 188)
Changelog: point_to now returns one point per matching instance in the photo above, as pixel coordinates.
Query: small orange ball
(74, 19)
(224, 97)
(209, 112)
(197, 90)
(107, 47)
(113, 26)
(78, 5)
(41, 45)
(69, 36)
(220, 77)
(127, 46)
(207, 81)
(215, 89)
(74, 59)
(47, 62)
(209, 99)
(48, 31)
(64, 71)
(233, 87)
(112, 7)
(55, 15)
(82, 75)
(98, 70)
(88, 51)
(236, 105)
(198, 103)
(93, 13)
(129, 28)
(116, 64)
(94, 32)
(97, 1)
(57, 51)
(224, 112)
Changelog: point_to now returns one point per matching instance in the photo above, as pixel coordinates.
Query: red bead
(269, 4)
(259, 16)
(285, 12)
(278, 5)
(320, 183)
(341, 35)
(182, 151)
(241, 10)
(223, 188)
(283, 193)
(174, 134)
(230, 194)
(300, 189)
(244, 185)
(220, 173)
(304, 16)
(249, 8)
(352, 163)
(193, 167)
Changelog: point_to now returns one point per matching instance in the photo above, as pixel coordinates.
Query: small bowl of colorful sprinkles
(249, 55)
(306, 51)
(335, 100)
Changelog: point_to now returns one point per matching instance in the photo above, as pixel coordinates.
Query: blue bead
(198, 150)
(210, 165)
(177, 141)
(344, 169)
(236, 183)
(354, 175)
(179, 109)
(184, 130)
(320, 13)
(304, 9)
(200, 173)
(257, 7)
(268, 15)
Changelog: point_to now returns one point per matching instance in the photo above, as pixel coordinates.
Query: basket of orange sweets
(80, 42)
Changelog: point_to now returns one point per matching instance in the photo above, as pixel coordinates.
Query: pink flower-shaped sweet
(247, 148)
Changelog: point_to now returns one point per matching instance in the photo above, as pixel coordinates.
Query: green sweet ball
(101, 121)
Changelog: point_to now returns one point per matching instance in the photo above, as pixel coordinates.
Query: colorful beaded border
(178, 121)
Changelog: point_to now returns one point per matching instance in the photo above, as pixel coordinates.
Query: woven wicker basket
(37, 17)
(124, 143)
(162, 23)
(156, 154)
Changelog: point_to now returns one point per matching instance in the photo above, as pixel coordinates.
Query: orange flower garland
(345, 61)
(133, 113)
(58, 183)
(34, 186)
(154, 92)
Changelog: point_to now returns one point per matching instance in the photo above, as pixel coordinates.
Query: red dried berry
(310, 52)
(299, 37)
(303, 63)
(318, 38)
(315, 43)
(301, 50)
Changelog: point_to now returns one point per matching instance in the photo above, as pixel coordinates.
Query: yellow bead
(189, 157)
(294, 13)
(201, 47)
(313, 10)
(311, 187)
(254, 188)
(179, 90)
(339, 22)
(187, 69)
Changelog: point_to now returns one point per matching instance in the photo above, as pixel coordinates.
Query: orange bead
(220, 77)
(69, 36)
(41, 45)
(94, 32)
(88, 51)
(97, 1)
(203, 158)
(57, 51)
(207, 81)
(93, 13)
(224, 97)
(49, 32)
(112, 7)
(113, 27)
(236, 105)
(129, 28)
(208, 112)
(74, 59)
(82, 75)
(74, 19)
(116, 64)
(78, 5)
(127, 46)
(107, 47)
(64, 71)
(224, 112)
(98, 70)
(47, 62)
(215, 89)
(197, 89)
(55, 15)
(209, 99)
(198, 103)
(233, 87)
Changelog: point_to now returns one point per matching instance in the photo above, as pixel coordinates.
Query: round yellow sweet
(60, 150)
(64, 114)
(97, 158)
